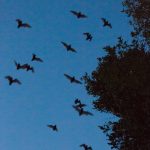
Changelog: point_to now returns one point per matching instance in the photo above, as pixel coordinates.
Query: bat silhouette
(68, 47)
(11, 80)
(88, 36)
(81, 111)
(86, 147)
(106, 23)
(35, 58)
(21, 24)
(53, 127)
(72, 79)
(24, 66)
(78, 14)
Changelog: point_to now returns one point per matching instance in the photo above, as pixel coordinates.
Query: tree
(139, 10)
(120, 83)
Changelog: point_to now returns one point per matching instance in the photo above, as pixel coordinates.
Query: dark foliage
(139, 10)
(121, 86)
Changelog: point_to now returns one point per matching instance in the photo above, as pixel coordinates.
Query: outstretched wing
(50, 126)
(87, 113)
(86, 33)
(39, 59)
(76, 108)
(65, 44)
(109, 25)
(104, 20)
(73, 50)
(83, 16)
(77, 81)
(74, 12)
(16, 81)
(26, 25)
(67, 76)
(16, 64)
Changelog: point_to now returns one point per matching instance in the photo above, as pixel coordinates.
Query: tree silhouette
(120, 83)
(139, 10)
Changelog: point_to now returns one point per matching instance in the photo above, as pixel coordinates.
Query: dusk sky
(46, 96)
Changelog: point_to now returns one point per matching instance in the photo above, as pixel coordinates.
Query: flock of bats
(78, 106)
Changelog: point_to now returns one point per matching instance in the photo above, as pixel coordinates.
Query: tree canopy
(120, 83)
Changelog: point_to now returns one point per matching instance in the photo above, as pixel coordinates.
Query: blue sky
(46, 97)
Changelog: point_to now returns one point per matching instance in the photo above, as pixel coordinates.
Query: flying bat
(72, 79)
(78, 14)
(81, 111)
(21, 24)
(53, 127)
(24, 66)
(88, 36)
(11, 80)
(106, 23)
(35, 58)
(68, 47)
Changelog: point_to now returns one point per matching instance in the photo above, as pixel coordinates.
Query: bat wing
(67, 76)
(83, 16)
(50, 126)
(26, 25)
(65, 44)
(17, 81)
(16, 64)
(87, 113)
(109, 24)
(39, 59)
(73, 50)
(77, 81)
(76, 108)
(103, 19)
(86, 33)
(74, 12)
